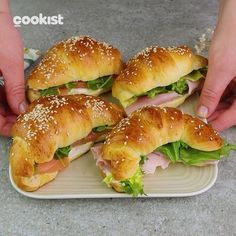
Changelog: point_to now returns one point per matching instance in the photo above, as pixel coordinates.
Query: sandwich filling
(185, 86)
(63, 156)
(162, 156)
(92, 87)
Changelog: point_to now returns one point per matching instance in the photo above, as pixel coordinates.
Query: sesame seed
(39, 119)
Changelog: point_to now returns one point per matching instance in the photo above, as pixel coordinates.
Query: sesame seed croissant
(78, 65)
(159, 76)
(54, 131)
(155, 133)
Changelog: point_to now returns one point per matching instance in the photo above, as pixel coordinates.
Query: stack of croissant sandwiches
(66, 118)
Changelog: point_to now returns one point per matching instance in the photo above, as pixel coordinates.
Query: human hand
(12, 95)
(218, 97)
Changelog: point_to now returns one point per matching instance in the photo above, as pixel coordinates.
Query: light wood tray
(82, 179)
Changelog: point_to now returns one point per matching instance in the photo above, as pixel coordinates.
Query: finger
(2, 94)
(229, 91)
(5, 126)
(9, 111)
(6, 131)
(214, 86)
(11, 119)
(5, 110)
(2, 110)
(231, 99)
(15, 87)
(222, 106)
(215, 115)
(226, 119)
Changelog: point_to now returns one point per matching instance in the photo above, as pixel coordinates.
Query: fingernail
(202, 111)
(22, 107)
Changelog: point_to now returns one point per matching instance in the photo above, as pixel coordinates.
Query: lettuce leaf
(133, 185)
(104, 82)
(195, 75)
(143, 158)
(153, 92)
(62, 152)
(181, 152)
(198, 157)
(49, 91)
(101, 128)
(54, 90)
(70, 85)
(180, 86)
(170, 150)
(107, 180)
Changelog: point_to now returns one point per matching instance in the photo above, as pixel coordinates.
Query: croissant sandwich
(79, 65)
(159, 76)
(153, 137)
(54, 131)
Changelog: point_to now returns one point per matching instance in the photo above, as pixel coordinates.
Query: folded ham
(154, 160)
(100, 162)
(160, 98)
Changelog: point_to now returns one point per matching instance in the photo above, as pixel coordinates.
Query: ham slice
(78, 148)
(192, 86)
(52, 166)
(100, 162)
(92, 137)
(153, 161)
(161, 98)
(146, 101)
(58, 165)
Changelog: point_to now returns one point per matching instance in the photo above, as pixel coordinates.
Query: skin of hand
(218, 97)
(12, 95)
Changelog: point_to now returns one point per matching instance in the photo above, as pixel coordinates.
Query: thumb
(225, 119)
(15, 87)
(216, 82)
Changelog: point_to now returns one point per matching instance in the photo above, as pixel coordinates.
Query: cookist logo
(38, 20)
